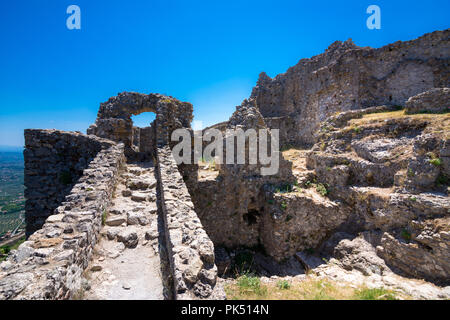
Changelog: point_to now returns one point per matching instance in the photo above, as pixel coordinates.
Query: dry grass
(312, 288)
(437, 123)
(297, 157)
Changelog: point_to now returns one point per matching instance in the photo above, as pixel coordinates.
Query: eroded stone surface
(128, 262)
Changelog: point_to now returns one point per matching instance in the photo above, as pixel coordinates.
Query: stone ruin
(372, 195)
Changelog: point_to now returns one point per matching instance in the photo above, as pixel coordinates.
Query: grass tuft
(375, 294)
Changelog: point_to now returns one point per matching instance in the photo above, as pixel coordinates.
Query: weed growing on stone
(435, 162)
(104, 216)
(322, 189)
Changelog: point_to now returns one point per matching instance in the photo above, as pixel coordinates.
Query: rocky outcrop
(50, 263)
(388, 169)
(435, 100)
(348, 77)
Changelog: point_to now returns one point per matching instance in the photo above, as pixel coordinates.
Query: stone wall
(191, 252)
(147, 140)
(54, 161)
(236, 196)
(435, 100)
(114, 118)
(287, 130)
(347, 77)
(50, 263)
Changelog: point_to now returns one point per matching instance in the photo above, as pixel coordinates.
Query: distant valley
(12, 201)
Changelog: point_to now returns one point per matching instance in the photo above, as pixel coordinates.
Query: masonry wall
(50, 263)
(191, 252)
(287, 130)
(54, 162)
(147, 140)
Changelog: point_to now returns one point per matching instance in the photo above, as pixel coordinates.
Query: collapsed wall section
(50, 263)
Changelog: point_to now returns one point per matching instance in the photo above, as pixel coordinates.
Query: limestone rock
(129, 237)
(434, 100)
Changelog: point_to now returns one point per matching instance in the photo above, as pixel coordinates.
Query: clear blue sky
(209, 53)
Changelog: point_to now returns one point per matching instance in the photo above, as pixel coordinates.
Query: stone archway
(114, 119)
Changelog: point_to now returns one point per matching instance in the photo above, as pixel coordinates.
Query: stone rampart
(50, 263)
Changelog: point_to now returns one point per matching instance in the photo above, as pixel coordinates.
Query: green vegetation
(249, 284)
(287, 188)
(406, 235)
(283, 285)
(375, 294)
(5, 250)
(322, 189)
(248, 287)
(436, 162)
(13, 207)
(356, 129)
(12, 201)
(104, 216)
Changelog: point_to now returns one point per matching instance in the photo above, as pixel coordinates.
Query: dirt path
(126, 262)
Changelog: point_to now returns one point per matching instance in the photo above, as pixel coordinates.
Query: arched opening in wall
(143, 132)
(143, 120)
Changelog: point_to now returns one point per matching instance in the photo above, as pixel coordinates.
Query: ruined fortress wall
(347, 77)
(54, 162)
(191, 252)
(147, 140)
(287, 130)
(50, 263)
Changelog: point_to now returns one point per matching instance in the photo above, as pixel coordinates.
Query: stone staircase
(126, 262)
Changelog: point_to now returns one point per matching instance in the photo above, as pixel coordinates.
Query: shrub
(322, 189)
(251, 284)
(435, 162)
(283, 285)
